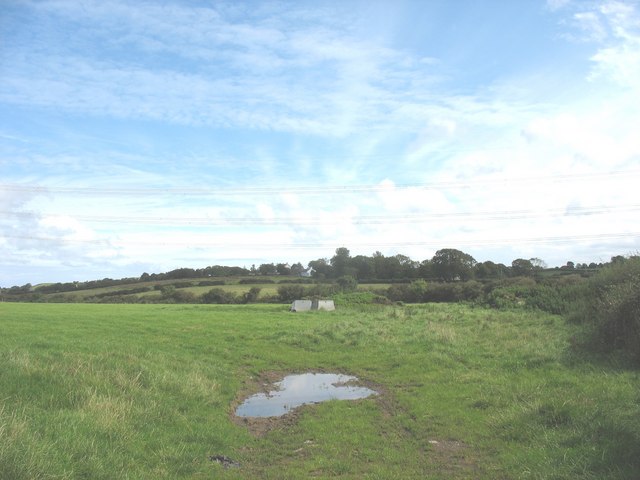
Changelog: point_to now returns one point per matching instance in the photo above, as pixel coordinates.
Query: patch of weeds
(481, 404)
(554, 416)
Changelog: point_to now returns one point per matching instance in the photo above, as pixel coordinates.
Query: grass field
(268, 286)
(230, 284)
(148, 391)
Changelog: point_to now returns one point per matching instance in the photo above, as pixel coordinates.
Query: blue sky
(147, 136)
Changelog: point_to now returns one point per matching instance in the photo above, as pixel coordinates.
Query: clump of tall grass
(556, 294)
(359, 298)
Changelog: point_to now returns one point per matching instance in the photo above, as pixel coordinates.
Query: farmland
(189, 290)
(148, 391)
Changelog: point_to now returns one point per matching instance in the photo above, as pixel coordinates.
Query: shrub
(183, 296)
(359, 298)
(551, 299)
(545, 298)
(130, 291)
(211, 283)
(322, 290)
(255, 281)
(421, 291)
(347, 283)
(218, 295)
(251, 295)
(289, 293)
(610, 308)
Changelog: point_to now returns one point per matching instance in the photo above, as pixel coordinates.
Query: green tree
(363, 267)
(488, 269)
(386, 267)
(538, 263)
(522, 268)
(267, 269)
(408, 267)
(321, 268)
(450, 264)
(340, 261)
(425, 270)
(297, 269)
(283, 269)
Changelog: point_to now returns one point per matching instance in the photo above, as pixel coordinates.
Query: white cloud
(591, 25)
(615, 27)
(557, 4)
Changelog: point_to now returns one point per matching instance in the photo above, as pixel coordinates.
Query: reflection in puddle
(296, 390)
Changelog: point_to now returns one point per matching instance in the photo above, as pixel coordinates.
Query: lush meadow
(148, 391)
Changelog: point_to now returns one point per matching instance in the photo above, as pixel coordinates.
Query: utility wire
(355, 220)
(303, 190)
(263, 246)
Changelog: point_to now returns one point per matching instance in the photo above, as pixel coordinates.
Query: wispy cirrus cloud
(322, 80)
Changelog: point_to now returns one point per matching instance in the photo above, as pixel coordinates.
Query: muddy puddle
(296, 390)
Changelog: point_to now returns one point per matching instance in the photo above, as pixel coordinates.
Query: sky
(147, 136)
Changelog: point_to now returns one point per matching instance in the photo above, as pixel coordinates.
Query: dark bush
(211, 283)
(218, 295)
(610, 308)
(322, 290)
(347, 283)
(421, 291)
(130, 291)
(443, 292)
(289, 293)
(251, 296)
(360, 298)
(255, 281)
(182, 296)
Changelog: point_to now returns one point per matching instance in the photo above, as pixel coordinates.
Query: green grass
(266, 289)
(269, 289)
(147, 391)
(231, 284)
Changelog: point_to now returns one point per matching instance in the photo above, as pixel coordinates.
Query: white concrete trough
(308, 305)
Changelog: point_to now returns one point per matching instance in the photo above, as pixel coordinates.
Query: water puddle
(296, 390)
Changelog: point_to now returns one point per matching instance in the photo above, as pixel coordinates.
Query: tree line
(447, 265)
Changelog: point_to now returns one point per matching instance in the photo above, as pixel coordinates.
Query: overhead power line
(304, 189)
(355, 220)
(115, 243)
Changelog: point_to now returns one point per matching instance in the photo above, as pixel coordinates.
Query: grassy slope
(146, 391)
(231, 285)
